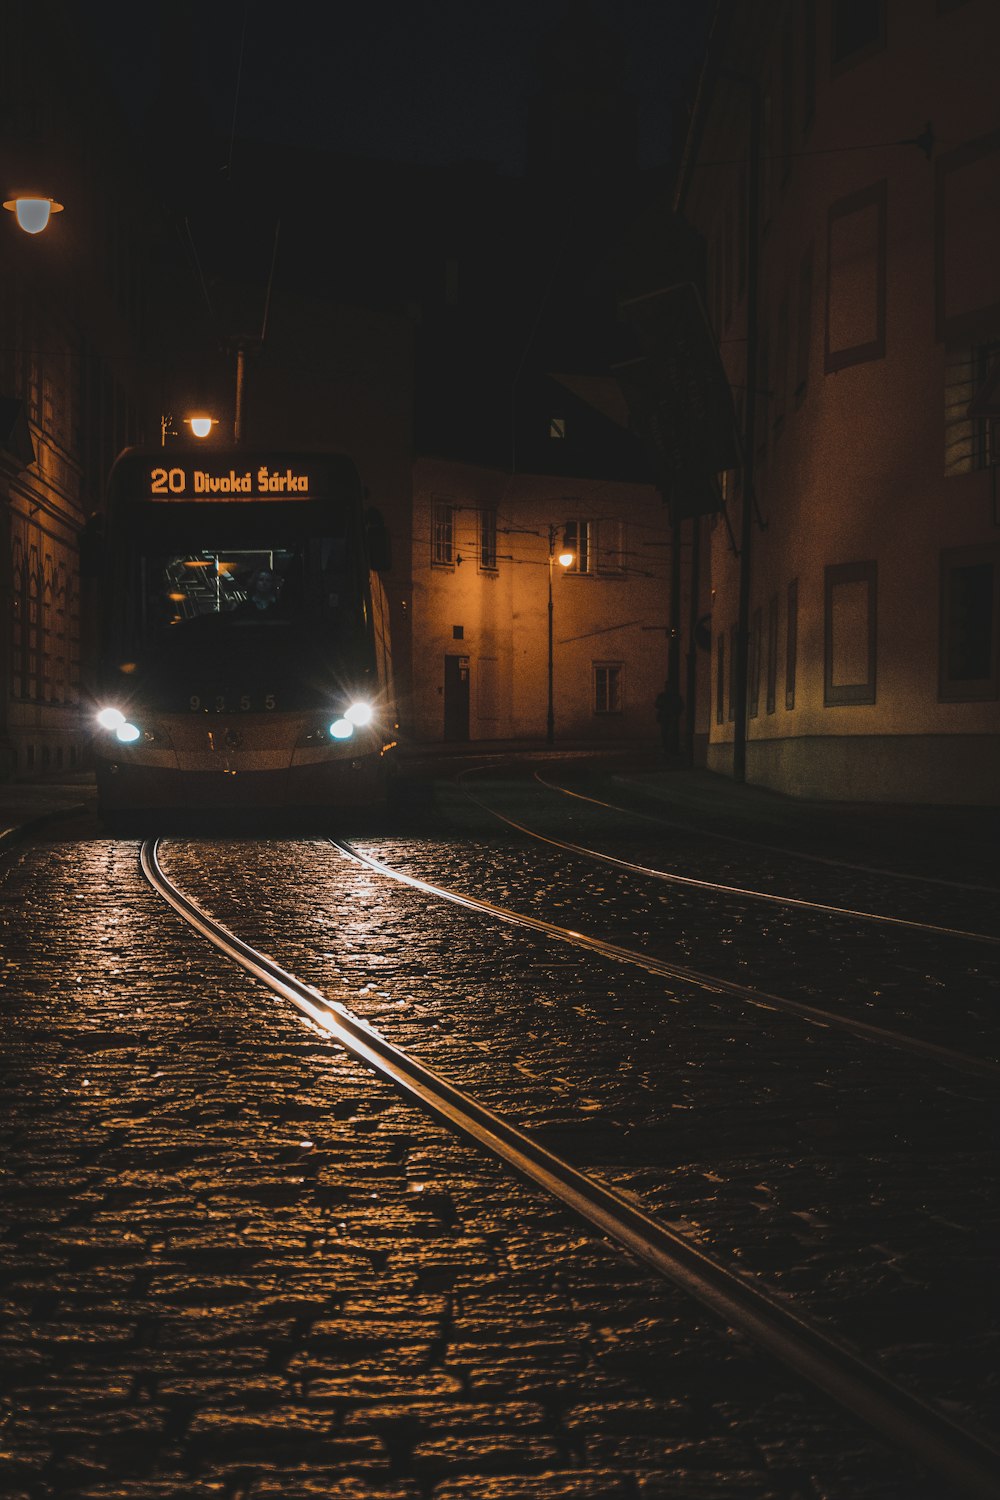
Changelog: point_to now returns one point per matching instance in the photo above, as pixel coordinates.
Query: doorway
(456, 697)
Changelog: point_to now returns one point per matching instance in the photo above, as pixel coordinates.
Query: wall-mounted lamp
(32, 213)
(200, 426)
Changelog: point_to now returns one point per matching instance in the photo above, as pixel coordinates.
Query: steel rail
(926, 1435)
(733, 838)
(726, 890)
(964, 1062)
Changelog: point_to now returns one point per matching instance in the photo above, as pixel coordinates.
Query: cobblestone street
(236, 1263)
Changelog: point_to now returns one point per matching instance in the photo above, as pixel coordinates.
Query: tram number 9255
(220, 704)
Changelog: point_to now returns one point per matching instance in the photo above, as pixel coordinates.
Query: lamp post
(565, 558)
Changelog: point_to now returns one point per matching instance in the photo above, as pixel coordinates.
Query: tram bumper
(237, 771)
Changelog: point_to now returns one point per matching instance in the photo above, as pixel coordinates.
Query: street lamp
(201, 426)
(32, 213)
(565, 557)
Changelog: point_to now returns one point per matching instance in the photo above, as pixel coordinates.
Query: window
(791, 643)
(557, 427)
(442, 534)
(780, 377)
(488, 541)
(579, 539)
(598, 547)
(856, 278)
(804, 329)
(772, 652)
(858, 29)
(727, 264)
(970, 623)
(787, 100)
(608, 687)
(754, 663)
(808, 62)
(970, 443)
(733, 646)
(850, 637)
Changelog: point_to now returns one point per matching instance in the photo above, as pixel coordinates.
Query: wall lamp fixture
(32, 213)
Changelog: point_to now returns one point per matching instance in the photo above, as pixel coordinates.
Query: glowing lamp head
(110, 718)
(359, 714)
(127, 733)
(566, 558)
(201, 427)
(33, 214)
(340, 729)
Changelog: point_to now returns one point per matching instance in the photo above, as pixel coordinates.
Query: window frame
(487, 551)
(610, 708)
(442, 534)
(837, 694)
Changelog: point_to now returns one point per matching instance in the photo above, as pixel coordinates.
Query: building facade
(485, 565)
(843, 166)
(75, 383)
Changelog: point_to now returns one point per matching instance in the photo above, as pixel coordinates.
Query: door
(456, 697)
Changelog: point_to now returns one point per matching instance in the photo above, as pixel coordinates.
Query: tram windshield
(194, 579)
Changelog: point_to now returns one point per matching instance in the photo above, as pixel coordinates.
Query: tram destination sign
(261, 480)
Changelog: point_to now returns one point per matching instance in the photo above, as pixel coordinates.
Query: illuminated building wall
(875, 585)
(479, 606)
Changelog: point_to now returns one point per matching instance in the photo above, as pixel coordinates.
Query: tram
(244, 657)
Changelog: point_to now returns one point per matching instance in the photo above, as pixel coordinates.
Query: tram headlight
(341, 729)
(127, 733)
(359, 714)
(111, 718)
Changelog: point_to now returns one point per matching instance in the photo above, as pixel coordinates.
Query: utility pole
(742, 664)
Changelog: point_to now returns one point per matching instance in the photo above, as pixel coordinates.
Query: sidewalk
(23, 804)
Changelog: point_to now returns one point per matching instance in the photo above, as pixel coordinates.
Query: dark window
(970, 442)
(754, 664)
(791, 642)
(458, 632)
(607, 687)
(787, 101)
(858, 26)
(808, 62)
(772, 652)
(733, 640)
(969, 623)
(850, 633)
(443, 534)
(856, 278)
(781, 366)
(804, 330)
(488, 540)
(741, 228)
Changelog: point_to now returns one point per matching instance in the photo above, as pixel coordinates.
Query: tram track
(968, 1463)
(807, 856)
(963, 1062)
(792, 903)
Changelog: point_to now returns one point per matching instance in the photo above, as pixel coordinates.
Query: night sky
(429, 81)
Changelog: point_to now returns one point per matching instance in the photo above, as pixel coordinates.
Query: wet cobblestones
(234, 1264)
(863, 1183)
